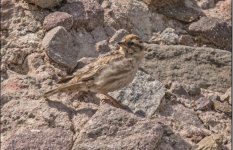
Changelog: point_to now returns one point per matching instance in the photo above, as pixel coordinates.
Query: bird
(109, 72)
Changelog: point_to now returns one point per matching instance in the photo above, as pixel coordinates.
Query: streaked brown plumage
(108, 73)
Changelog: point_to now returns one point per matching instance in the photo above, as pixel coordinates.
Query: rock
(87, 13)
(7, 11)
(175, 9)
(131, 15)
(142, 89)
(42, 139)
(213, 142)
(84, 42)
(167, 37)
(214, 97)
(185, 115)
(45, 4)
(193, 89)
(216, 31)
(58, 19)
(207, 67)
(203, 103)
(102, 47)
(58, 45)
(222, 107)
(177, 88)
(186, 40)
(226, 96)
(106, 130)
(99, 34)
(158, 3)
(206, 4)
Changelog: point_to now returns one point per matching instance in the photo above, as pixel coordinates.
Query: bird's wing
(94, 68)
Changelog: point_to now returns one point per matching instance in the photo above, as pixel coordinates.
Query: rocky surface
(179, 100)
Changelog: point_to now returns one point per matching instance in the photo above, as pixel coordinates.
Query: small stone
(214, 97)
(206, 4)
(58, 45)
(213, 142)
(203, 103)
(177, 88)
(222, 107)
(45, 3)
(226, 96)
(58, 19)
(193, 89)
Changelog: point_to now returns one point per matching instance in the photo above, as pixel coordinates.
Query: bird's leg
(113, 101)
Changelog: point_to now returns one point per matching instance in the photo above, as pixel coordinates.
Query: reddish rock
(58, 19)
(41, 139)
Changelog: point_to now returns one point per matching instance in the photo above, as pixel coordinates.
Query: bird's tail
(64, 88)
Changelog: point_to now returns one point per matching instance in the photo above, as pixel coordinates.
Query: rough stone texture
(106, 130)
(58, 45)
(177, 9)
(167, 37)
(30, 122)
(222, 107)
(102, 47)
(212, 142)
(206, 4)
(131, 15)
(207, 67)
(227, 96)
(45, 4)
(142, 89)
(58, 19)
(86, 13)
(216, 31)
(42, 139)
(203, 104)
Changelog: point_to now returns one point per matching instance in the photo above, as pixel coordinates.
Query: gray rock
(167, 37)
(143, 96)
(58, 19)
(45, 3)
(87, 13)
(177, 9)
(216, 31)
(112, 128)
(193, 89)
(186, 40)
(102, 47)
(203, 103)
(42, 139)
(206, 4)
(58, 45)
(177, 88)
(208, 68)
(213, 142)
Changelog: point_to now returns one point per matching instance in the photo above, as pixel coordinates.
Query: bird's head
(132, 46)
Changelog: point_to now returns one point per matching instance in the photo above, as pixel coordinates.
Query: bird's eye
(130, 43)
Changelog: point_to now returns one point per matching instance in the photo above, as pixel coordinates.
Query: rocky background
(179, 100)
